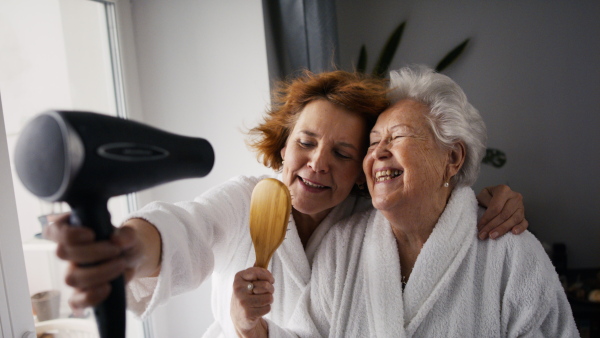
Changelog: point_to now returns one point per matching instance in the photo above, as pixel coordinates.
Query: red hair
(359, 93)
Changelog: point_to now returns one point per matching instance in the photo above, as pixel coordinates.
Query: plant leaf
(388, 51)
(361, 64)
(451, 56)
(494, 157)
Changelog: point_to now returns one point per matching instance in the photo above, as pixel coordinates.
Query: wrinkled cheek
(286, 176)
(288, 180)
(435, 171)
(432, 168)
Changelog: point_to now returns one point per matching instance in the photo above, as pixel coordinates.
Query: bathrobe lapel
(299, 265)
(440, 257)
(383, 280)
(292, 260)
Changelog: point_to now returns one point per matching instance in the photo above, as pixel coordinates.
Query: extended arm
(176, 245)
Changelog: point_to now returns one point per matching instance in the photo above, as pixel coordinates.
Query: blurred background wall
(533, 71)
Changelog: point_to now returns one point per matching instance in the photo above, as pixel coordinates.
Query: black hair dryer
(85, 158)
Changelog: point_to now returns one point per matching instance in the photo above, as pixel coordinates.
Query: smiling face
(322, 157)
(405, 167)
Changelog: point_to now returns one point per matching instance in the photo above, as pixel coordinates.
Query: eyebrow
(398, 126)
(341, 144)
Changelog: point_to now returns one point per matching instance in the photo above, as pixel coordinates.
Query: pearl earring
(446, 185)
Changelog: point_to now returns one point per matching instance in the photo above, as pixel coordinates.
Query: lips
(311, 184)
(386, 175)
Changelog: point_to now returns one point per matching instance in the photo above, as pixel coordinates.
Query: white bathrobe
(210, 236)
(459, 287)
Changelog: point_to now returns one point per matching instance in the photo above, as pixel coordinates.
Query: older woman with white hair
(414, 266)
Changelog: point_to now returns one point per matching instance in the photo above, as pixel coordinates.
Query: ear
(456, 159)
(282, 152)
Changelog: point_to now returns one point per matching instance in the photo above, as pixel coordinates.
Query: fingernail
(483, 235)
(493, 235)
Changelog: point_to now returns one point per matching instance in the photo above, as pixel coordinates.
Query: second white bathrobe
(459, 287)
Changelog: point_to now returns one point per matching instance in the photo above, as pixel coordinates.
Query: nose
(381, 151)
(319, 161)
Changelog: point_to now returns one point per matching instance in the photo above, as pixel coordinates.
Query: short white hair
(451, 116)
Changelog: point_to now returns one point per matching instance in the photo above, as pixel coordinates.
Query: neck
(307, 224)
(412, 225)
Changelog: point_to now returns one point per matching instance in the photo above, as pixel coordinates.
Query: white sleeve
(535, 303)
(198, 237)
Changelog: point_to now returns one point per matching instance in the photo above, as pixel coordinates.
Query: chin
(381, 203)
(302, 206)
(310, 208)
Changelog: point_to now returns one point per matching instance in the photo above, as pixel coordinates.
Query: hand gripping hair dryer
(85, 158)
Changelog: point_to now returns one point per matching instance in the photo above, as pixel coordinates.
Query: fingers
(256, 306)
(93, 276)
(93, 265)
(494, 199)
(484, 198)
(260, 287)
(59, 231)
(88, 297)
(254, 273)
(252, 283)
(78, 245)
(502, 220)
(499, 226)
(92, 284)
(49, 230)
(505, 212)
(519, 228)
(89, 253)
(253, 302)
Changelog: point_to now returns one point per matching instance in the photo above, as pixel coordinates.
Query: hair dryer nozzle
(47, 155)
(64, 155)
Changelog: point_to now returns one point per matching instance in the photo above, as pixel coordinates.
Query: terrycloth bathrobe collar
(289, 257)
(437, 263)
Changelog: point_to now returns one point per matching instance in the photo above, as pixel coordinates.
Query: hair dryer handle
(110, 314)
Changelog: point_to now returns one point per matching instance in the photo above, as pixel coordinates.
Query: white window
(59, 55)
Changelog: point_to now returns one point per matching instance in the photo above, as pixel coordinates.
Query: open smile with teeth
(386, 175)
(312, 185)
